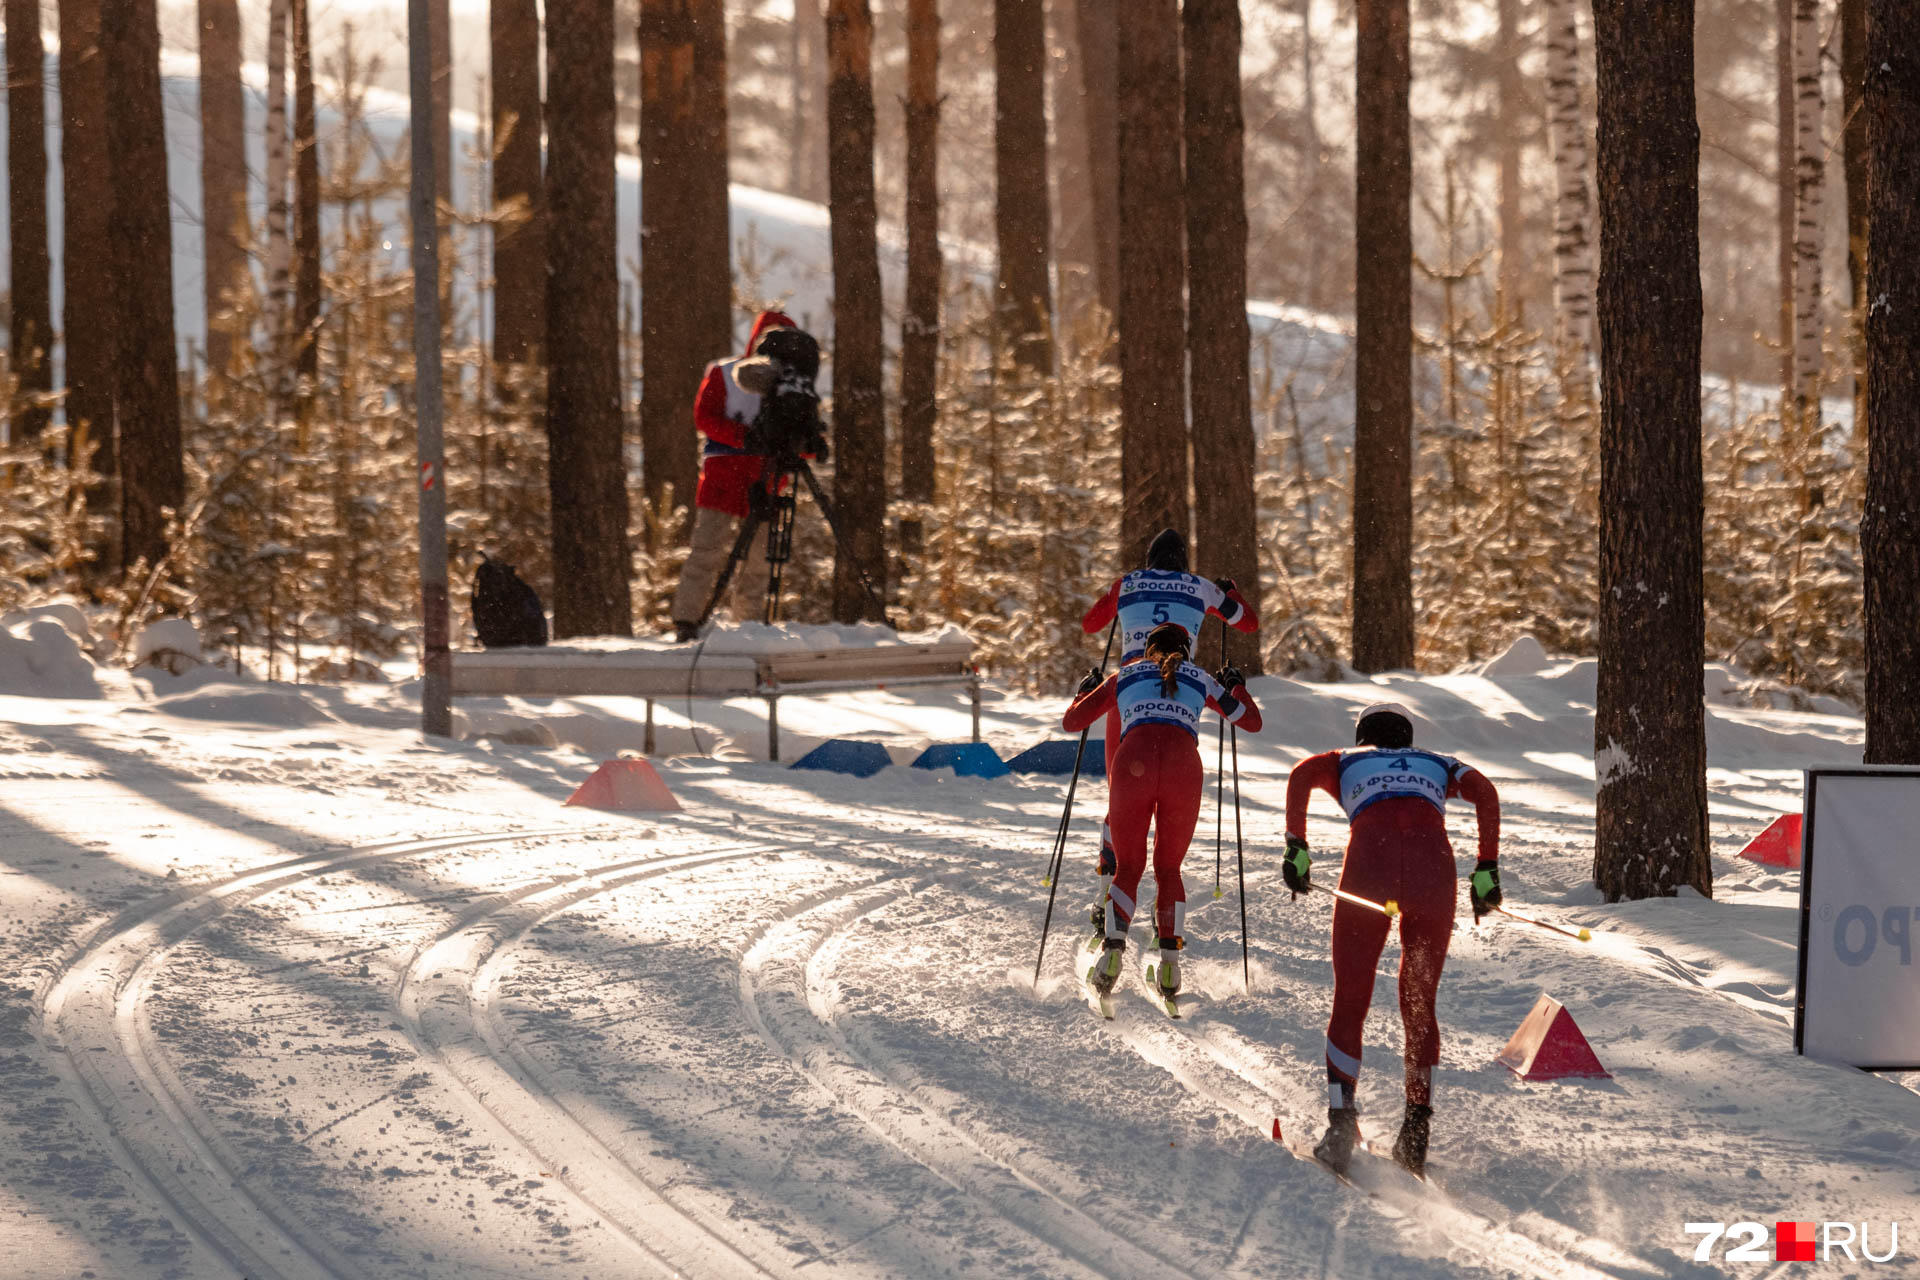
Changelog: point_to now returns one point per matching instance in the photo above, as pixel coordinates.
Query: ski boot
(1335, 1149)
(1166, 973)
(1106, 970)
(1410, 1148)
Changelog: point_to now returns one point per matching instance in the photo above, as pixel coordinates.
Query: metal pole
(436, 692)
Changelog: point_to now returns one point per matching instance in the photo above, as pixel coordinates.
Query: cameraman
(730, 470)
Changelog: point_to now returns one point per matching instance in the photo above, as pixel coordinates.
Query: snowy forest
(1491, 319)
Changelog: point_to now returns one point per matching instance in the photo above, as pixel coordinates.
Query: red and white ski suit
(723, 411)
(1397, 850)
(1157, 780)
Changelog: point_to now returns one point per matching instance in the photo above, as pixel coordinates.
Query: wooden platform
(608, 667)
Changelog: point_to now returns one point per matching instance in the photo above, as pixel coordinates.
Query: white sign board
(1859, 1000)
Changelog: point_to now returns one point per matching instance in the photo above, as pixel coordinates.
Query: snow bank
(41, 658)
(171, 644)
(278, 705)
(1524, 657)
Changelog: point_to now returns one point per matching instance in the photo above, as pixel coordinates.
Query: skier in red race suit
(1156, 779)
(1395, 799)
(723, 411)
(1163, 592)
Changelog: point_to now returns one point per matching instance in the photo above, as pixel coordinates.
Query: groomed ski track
(447, 991)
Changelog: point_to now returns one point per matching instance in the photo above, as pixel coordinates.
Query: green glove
(1296, 867)
(1483, 887)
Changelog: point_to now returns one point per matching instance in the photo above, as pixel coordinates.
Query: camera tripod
(771, 503)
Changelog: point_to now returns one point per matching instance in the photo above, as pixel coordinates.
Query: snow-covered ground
(294, 993)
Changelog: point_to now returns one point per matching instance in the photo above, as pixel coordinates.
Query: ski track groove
(1431, 1209)
(102, 1045)
(783, 957)
(444, 994)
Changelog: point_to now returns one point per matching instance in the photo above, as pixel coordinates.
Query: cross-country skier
(1395, 798)
(1162, 593)
(1156, 779)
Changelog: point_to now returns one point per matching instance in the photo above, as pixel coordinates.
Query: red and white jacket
(723, 412)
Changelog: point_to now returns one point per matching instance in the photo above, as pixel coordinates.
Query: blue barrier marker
(846, 755)
(968, 759)
(1056, 757)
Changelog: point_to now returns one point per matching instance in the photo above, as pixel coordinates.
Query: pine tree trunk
(306, 226)
(678, 283)
(279, 211)
(1383, 633)
(859, 425)
(586, 470)
(223, 172)
(1512, 131)
(30, 328)
(1853, 79)
(807, 142)
(1072, 196)
(86, 244)
(1572, 204)
(1099, 28)
(712, 317)
(1810, 168)
(920, 326)
(146, 388)
(1152, 320)
(1783, 179)
(1022, 214)
(1650, 725)
(519, 238)
(1219, 340)
(1890, 531)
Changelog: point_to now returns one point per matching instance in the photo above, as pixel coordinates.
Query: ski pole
(1240, 854)
(1066, 814)
(1389, 908)
(1220, 781)
(1582, 935)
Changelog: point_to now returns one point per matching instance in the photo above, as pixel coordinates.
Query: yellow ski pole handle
(1389, 908)
(1581, 935)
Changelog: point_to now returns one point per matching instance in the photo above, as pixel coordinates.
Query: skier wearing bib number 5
(1162, 593)
(1395, 798)
(1156, 780)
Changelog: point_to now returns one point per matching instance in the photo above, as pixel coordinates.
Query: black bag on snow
(506, 611)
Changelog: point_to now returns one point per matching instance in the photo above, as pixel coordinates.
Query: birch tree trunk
(519, 234)
(1572, 205)
(1383, 628)
(147, 381)
(1218, 337)
(1890, 531)
(586, 468)
(920, 326)
(807, 139)
(1650, 718)
(859, 422)
(1810, 169)
(1153, 401)
(86, 254)
(30, 328)
(279, 211)
(1073, 246)
(223, 171)
(1022, 213)
(1853, 80)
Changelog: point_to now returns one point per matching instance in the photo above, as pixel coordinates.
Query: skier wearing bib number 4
(1395, 798)
(1156, 780)
(1162, 593)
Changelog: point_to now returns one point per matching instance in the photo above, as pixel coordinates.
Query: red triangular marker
(1548, 1046)
(1778, 845)
(1276, 1132)
(625, 786)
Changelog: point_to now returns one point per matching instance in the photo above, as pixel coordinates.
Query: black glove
(1297, 867)
(1229, 677)
(1091, 681)
(1227, 585)
(1483, 886)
